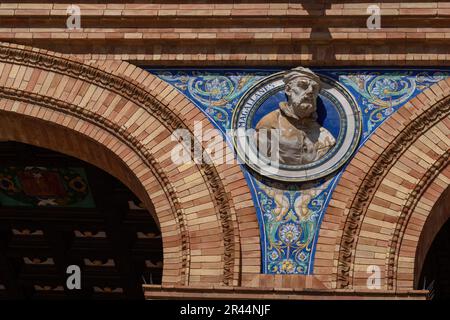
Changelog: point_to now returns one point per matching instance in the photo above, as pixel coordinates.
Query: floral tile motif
(215, 92)
(290, 214)
(380, 93)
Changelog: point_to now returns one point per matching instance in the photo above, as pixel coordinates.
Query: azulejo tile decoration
(215, 92)
(44, 187)
(380, 93)
(290, 213)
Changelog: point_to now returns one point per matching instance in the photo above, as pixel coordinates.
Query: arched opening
(57, 211)
(121, 118)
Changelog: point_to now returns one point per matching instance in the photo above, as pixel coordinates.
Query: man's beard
(304, 109)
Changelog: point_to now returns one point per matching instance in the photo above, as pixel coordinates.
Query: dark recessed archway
(57, 211)
(435, 273)
(432, 260)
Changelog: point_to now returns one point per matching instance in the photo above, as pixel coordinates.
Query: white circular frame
(347, 142)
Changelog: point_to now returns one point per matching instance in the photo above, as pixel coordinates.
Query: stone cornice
(213, 293)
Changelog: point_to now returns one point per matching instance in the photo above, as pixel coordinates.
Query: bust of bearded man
(301, 139)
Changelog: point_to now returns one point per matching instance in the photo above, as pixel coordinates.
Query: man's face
(302, 96)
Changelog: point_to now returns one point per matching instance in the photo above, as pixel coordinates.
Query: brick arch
(209, 228)
(409, 228)
(373, 216)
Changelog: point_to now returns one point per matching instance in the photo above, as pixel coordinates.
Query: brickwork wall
(48, 87)
(48, 100)
(245, 33)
